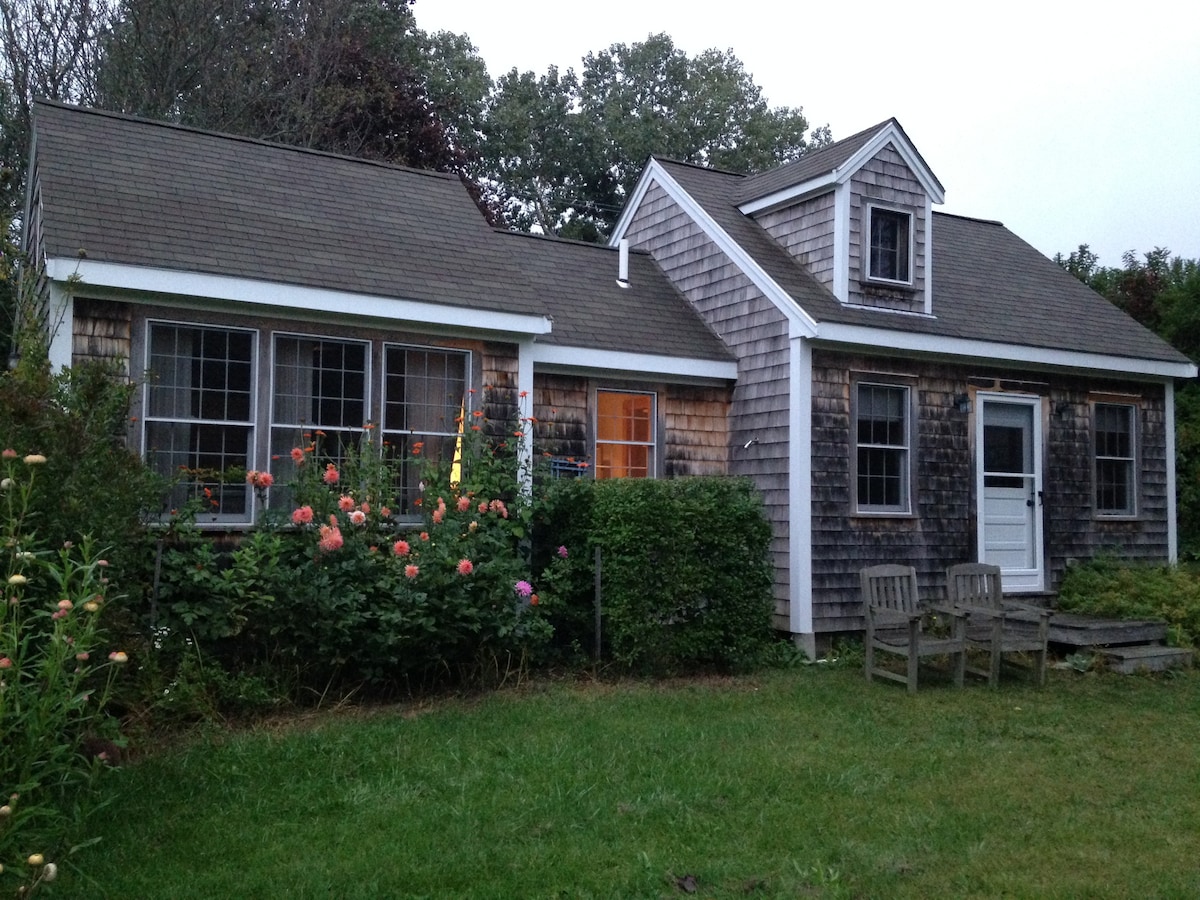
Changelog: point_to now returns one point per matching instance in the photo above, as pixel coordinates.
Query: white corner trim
(560, 358)
(525, 349)
(287, 296)
(800, 556)
(841, 243)
(799, 321)
(791, 194)
(928, 257)
(1172, 511)
(993, 351)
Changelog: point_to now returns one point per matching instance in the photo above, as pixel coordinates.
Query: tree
(346, 76)
(1163, 293)
(563, 151)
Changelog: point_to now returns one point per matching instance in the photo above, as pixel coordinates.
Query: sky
(1070, 122)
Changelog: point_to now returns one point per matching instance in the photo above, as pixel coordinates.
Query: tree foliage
(563, 150)
(1163, 293)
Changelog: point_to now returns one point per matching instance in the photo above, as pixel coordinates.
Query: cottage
(902, 385)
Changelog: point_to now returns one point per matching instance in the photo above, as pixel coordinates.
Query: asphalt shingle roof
(141, 193)
(988, 284)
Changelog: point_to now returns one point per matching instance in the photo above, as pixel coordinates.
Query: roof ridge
(231, 136)
(556, 239)
(701, 166)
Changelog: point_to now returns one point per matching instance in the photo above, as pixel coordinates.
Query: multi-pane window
(882, 448)
(625, 435)
(319, 398)
(199, 415)
(424, 403)
(890, 238)
(1113, 431)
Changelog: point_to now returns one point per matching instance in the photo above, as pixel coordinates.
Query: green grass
(806, 783)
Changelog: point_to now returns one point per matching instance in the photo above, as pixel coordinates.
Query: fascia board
(797, 192)
(633, 202)
(286, 296)
(885, 340)
(555, 358)
(892, 134)
(800, 323)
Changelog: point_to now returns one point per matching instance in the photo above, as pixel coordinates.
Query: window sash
(200, 407)
(626, 434)
(890, 237)
(1115, 461)
(425, 394)
(882, 453)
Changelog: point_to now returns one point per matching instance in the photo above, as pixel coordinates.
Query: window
(882, 448)
(890, 245)
(625, 435)
(318, 385)
(1113, 431)
(424, 402)
(199, 420)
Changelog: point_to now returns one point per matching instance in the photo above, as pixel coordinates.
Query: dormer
(858, 215)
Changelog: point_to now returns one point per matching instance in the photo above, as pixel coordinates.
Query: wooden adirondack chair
(996, 625)
(894, 625)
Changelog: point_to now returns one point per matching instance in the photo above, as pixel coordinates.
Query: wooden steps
(1124, 646)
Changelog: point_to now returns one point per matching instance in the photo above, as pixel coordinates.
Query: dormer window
(890, 248)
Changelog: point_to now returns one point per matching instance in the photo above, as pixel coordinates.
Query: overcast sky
(1070, 122)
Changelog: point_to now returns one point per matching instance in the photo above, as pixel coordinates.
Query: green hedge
(686, 574)
(1123, 590)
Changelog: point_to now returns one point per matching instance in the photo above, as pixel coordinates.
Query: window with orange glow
(624, 435)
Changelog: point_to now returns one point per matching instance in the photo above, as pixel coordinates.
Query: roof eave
(175, 283)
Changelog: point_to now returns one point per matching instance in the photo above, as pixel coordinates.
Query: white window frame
(402, 439)
(903, 450)
(651, 445)
(283, 436)
(867, 247)
(149, 419)
(1104, 460)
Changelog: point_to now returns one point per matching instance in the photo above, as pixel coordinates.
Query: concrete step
(1148, 658)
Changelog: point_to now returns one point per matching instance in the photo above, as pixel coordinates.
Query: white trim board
(882, 340)
(86, 273)
(551, 357)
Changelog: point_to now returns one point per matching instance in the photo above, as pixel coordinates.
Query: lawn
(807, 783)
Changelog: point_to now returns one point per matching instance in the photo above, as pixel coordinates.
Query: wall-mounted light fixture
(963, 403)
(750, 443)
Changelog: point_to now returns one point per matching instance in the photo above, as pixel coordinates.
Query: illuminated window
(625, 435)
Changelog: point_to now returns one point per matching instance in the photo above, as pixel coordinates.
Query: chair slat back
(974, 584)
(890, 587)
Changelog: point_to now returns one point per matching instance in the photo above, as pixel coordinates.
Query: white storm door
(1009, 487)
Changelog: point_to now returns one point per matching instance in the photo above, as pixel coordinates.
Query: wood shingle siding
(943, 529)
(101, 332)
(887, 179)
(757, 333)
(806, 230)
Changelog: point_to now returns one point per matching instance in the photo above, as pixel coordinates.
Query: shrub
(1109, 587)
(686, 578)
(56, 674)
(335, 593)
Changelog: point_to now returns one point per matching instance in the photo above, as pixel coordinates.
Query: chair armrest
(987, 612)
(954, 611)
(1027, 609)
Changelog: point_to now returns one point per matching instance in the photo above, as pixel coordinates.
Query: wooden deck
(1075, 630)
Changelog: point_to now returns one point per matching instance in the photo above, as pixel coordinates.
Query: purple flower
(524, 588)
(562, 552)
